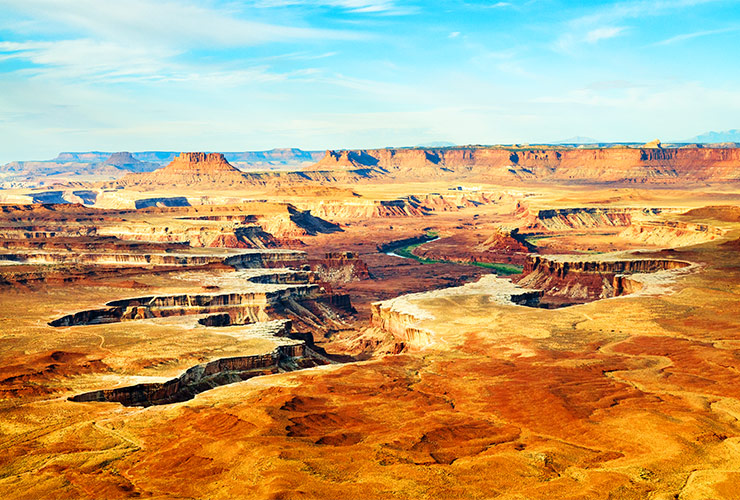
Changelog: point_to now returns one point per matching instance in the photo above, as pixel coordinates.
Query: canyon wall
(203, 377)
(551, 164)
(572, 279)
(671, 233)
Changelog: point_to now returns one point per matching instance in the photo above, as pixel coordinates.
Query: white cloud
(581, 29)
(568, 42)
(358, 6)
(148, 41)
(86, 58)
(91, 61)
(603, 33)
(636, 9)
(696, 34)
(167, 23)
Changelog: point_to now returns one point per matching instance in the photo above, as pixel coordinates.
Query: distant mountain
(436, 144)
(272, 156)
(716, 137)
(105, 166)
(124, 160)
(579, 139)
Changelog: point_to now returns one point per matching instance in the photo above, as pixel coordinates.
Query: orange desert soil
(260, 342)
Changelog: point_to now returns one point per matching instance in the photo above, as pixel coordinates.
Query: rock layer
(203, 377)
(571, 279)
(547, 164)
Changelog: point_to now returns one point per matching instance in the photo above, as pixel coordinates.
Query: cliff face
(407, 320)
(198, 163)
(671, 233)
(201, 378)
(613, 165)
(250, 225)
(567, 280)
(188, 169)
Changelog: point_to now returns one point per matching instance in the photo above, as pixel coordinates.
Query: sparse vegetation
(498, 268)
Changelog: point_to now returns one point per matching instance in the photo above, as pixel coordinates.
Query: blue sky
(228, 76)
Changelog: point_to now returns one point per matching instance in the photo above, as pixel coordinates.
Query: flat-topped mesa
(622, 165)
(573, 279)
(186, 169)
(307, 304)
(199, 163)
(409, 322)
(561, 266)
(205, 376)
(583, 218)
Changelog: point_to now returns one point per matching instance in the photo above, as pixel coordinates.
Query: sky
(189, 75)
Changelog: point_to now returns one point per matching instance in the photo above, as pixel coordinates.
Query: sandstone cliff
(649, 165)
(211, 170)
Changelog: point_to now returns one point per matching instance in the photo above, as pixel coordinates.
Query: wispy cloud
(151, 41)
(569, 41)
(696, 34)
(619, 11)
(181, 24)
(357, 6)
(91, 61)
(609, 19)
(603, 33)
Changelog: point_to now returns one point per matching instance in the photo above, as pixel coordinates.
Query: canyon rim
(340, 249)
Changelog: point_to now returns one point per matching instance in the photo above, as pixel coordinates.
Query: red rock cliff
(615, 164)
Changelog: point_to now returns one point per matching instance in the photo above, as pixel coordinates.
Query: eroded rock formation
(403, 318)
(206, 376)
(503, 246)
(273, 296)
(571, 279)
(201, 378)
(623, 165)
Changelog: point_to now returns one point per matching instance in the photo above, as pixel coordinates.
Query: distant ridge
(276, 155)
(124, 160)
(732, 135)
(436, 144)
(651, 163)
(93, 166)
(578, 139)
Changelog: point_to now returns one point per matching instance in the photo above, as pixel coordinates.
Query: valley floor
(607, 369)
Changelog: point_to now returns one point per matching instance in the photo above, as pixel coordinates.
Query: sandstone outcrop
(125, 161)
(404, 319)
(585, 218)
(188, 169)
(249, 225)
(264, 296)
(503, 246)
(242, 259)
(572, 279)
(647, 165)
(671, 233)
(206, 376)
(212, 171)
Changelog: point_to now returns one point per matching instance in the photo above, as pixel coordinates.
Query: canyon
(459, 322)
(617, 164)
